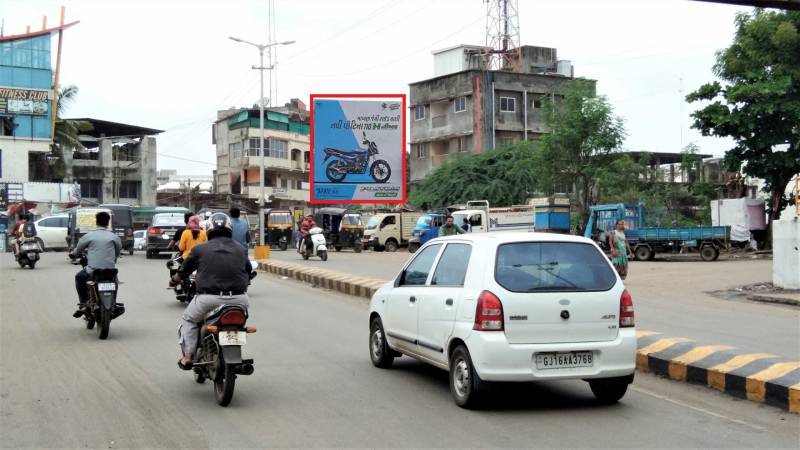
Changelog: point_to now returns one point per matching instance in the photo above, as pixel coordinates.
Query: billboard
(358, 146)
(35, 102)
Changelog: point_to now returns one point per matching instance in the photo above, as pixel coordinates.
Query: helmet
(219, 225)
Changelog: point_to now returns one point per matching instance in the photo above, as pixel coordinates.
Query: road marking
(695, 408)
(756, 383)
(716, 374)
(677, 366)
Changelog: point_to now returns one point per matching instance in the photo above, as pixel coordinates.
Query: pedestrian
(240, 229)
(465, 225)
(620, 249)
(450, 228)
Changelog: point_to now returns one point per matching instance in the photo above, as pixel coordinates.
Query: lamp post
(261, 68)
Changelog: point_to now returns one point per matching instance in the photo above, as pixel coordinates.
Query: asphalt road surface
(670, 296)
(314, 385)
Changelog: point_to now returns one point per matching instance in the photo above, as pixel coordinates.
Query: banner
(358, 148)
(35, 102)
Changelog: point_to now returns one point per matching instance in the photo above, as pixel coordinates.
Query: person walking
(620, 249)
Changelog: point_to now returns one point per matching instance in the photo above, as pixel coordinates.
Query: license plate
(232, 338)
(566, 360)
(120, 233)
(165, 236)
(102, 287)
(30, 247)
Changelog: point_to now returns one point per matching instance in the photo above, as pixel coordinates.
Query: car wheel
(379, 351)
(609, 390)
(464, 381)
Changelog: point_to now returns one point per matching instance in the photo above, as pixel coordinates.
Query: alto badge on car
(509, 307)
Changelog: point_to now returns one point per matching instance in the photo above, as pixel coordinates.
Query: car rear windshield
(552, 266)
(176, 220)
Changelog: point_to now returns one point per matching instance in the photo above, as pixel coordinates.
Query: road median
(758, 377)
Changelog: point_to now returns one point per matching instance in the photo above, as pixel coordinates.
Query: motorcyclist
(223, 272)
(102, 249)
(23, 228)
(179, 232)
(305, 226)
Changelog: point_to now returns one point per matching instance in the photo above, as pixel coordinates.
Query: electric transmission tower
(502, 35)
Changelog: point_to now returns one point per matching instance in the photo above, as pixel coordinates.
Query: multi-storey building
(467, 110)
(236, 133)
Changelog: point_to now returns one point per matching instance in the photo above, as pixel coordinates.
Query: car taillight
(154, 230)
(234, 317)
(625, 310)
(489, 313)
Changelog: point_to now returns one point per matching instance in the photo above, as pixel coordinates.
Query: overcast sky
(169, 64)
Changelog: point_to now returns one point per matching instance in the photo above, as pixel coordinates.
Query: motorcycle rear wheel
(103, 323)
(32, 264)
(224, 383)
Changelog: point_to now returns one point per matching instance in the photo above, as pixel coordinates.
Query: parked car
(52, 232)
(161, 231)
(509, 307)
(139, 239)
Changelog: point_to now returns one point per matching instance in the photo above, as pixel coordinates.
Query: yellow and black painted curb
(759, 377)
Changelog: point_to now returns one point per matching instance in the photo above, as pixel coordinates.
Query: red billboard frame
(402, 98)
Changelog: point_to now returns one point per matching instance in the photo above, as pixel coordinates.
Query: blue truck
(646, 241)
(426, 228)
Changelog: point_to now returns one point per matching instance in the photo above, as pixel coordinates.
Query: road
(314, 385)
(671, 297)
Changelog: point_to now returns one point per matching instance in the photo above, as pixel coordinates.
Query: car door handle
(449, 302)
(412, 299)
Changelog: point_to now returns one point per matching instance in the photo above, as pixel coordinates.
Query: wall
(15, 157)
(147, 172)
(786, 253)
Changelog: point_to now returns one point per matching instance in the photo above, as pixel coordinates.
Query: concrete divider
(759, 377)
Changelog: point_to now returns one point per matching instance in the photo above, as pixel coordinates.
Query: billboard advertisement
(358, 146)
(35, 102)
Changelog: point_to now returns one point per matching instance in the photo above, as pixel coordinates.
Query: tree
(503, 176)
(758, 102)
(582, 140)
(67, 131)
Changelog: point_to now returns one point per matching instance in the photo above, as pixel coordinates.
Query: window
(389, 220)
(552, 266)
(276, 148)
(452, 267)
(508, 104)
(91, 188)
(419, 112)
(63, 222)
(254, 144)
(460, 104)
(128, 189)
(7, 126)
(50, 222)
(284, 183)
(537, 103)
(417, 272)
(236, 150)
(461, 144)
(422, 150)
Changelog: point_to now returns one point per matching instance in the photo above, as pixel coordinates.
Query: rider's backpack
(29, 230)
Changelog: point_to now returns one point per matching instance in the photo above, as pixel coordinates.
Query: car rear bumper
(496, 360)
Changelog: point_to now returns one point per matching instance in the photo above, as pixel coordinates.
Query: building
(26, 101)
(117, 165)
(236, 134)
(466, 110)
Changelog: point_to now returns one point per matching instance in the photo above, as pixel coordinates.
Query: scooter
(28, 253)
(315, 245)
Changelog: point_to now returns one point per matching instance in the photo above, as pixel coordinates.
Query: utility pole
(261, 69)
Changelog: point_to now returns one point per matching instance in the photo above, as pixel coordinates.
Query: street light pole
(261, 69)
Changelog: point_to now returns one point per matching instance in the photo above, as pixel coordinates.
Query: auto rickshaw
(341, 228)
(81, 221)
(278, 228)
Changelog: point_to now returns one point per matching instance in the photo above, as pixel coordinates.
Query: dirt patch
(761, 292)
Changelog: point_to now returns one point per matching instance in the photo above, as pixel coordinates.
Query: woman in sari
(620, 249)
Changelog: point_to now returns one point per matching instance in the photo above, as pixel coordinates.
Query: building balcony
(269, 162)
(300, 195)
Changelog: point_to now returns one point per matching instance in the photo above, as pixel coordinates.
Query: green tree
(67, 131)
(582, 140)
(503, 176)
(757, 104)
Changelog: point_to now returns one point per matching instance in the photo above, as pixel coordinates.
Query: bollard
(262, 252)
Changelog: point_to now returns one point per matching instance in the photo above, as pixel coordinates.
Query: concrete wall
(786, 253)
(147, 172)
(15, 157)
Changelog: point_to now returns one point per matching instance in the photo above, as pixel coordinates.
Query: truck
(552, 214)
(389, 231)
(646, 241)
(426, 228)
(482, 217)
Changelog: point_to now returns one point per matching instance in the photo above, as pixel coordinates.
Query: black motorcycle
(102, 306)
(357, 162)
(219, 350)
(186, 289)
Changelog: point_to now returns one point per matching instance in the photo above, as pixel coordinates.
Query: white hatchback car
(509, 307)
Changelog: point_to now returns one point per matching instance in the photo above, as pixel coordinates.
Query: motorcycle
(356, 162)
(28, 253)
(184, 291)
(219, 350)
(314, 245)
(102, 306)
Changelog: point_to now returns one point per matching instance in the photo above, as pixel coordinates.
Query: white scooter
(315, 246)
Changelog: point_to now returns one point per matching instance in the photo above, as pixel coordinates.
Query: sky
(169, 65)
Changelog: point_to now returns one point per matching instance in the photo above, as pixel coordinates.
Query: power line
(367, 69)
